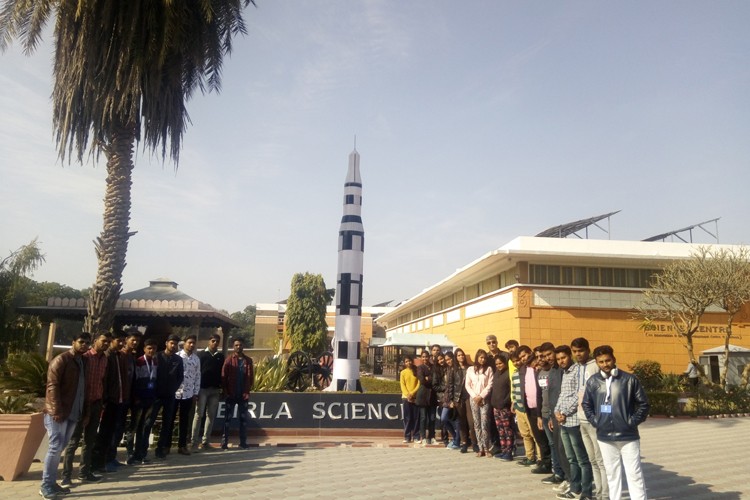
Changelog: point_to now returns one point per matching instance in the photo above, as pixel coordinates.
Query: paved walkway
(693, 459)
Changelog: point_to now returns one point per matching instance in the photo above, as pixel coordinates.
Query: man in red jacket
(237, 379)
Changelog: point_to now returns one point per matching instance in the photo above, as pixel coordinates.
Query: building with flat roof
(538, 289)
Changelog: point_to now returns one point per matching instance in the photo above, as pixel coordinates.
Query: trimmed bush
(663, 403)
(648, 372)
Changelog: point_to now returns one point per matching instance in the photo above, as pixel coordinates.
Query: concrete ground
(692, 459)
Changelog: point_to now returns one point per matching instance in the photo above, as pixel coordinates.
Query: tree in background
(13, 269)
(306, 313)
(685, 289)
(680, 294)
(246, 319)
(123, 72)
(732, 270)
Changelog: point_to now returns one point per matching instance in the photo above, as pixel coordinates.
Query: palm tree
(123, 71)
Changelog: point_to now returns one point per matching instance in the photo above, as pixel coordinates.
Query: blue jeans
(451, 425)
(556, 468)
(581, 476)
(208, 403)
(59, 436)
(242, 415)
(411, 420)
(427, 422)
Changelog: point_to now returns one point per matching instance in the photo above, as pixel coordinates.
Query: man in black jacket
(208, 400)
(616, 404)
(169, 376)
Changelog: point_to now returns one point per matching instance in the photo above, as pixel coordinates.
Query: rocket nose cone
(352, 175)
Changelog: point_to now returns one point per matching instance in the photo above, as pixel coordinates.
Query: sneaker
(417, 441)
(569, 495)
(244, 447)
(429, 441)
(90, 478)
(553, 479)
(475, 448)
(563, 487)
(464, 449)
(66, 482)
(541, 469)
(116, 463)
(205, 446)
(183, 451)
(452, 446)
(506, 457)
(525, 462)
(111, 468)
(60, 489)
(47, 492)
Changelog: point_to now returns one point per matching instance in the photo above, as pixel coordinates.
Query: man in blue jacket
(616, 404)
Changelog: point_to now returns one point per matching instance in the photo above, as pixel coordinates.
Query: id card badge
(606, 408)
(150, 385)
(543, 383)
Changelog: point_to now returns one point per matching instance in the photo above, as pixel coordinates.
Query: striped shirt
(515, 395)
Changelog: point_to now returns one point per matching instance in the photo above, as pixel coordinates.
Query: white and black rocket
(346, 337)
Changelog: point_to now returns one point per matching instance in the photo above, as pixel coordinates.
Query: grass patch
(374, 385)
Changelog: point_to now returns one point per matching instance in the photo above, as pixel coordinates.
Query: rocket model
(346, 337)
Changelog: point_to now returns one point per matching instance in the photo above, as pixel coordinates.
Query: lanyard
(149, 367)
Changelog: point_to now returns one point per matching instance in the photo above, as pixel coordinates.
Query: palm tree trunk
(112, 245)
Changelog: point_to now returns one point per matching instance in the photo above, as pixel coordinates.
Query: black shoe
(541, 469)
(526, 462)
(90, 478)
(244, 447)
(60, 489)
(553, 479)
(464, 449)
(160, 454)
(65, 483)
(475, 448)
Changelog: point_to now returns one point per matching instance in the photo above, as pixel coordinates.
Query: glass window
(567, 275)
(553, 275)
(593, 273)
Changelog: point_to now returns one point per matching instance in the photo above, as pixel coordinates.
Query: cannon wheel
(299, 370)
(324, 375)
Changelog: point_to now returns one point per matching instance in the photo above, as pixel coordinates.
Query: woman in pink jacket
(478, 385)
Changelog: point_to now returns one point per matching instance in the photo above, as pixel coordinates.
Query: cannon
(305, 371)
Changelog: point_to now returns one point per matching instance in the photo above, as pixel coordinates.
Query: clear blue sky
(476, 122)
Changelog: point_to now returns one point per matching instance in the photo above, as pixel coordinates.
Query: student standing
(478, 385)
(210, 394)
(237, 378)
(63, 408)
(616, 404)
(409, 386)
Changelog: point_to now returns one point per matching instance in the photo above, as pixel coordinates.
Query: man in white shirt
(187, 393)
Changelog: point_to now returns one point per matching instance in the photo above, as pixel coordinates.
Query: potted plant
(21, 422)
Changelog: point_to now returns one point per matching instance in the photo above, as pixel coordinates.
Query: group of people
(111, 387)
(576, 412)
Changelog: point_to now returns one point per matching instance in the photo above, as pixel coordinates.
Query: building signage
(328, 410)
(704, 331)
